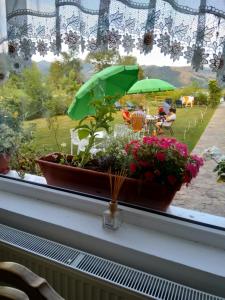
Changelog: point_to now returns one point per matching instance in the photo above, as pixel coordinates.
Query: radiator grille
(128, 278)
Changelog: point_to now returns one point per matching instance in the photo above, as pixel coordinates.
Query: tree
(128, 60)
(60, 70)
(215, 93)
(37, 91)
(64, 80)
(131, 60)
(103, 59)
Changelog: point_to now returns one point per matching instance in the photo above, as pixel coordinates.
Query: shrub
(162, 160)
(201, 99)
(215, 93)
(220, 170)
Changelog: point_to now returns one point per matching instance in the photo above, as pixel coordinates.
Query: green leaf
(83, 133)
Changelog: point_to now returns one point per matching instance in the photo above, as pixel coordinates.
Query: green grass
(197, 124)
(44, 138)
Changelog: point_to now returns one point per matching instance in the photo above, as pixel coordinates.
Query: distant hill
(44, 66)
(179, 76)
(87, 71)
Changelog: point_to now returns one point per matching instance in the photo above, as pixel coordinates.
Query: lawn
(187, 118)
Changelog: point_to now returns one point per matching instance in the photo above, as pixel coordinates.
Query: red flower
(167, 154)
(160, 156)
(186, 178)
(133, 167)
(149, 176)
(171, 179)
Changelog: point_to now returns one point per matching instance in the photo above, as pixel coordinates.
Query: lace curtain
(189, 29)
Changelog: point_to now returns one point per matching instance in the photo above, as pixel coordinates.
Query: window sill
(187, 253)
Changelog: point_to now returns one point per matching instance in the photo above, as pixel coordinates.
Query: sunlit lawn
(45, 138)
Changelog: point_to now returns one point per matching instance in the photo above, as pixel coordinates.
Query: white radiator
(78, 275)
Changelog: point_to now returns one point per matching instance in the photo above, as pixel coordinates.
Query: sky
(153, 58)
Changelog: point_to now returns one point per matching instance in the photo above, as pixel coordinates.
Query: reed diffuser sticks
(112, 216)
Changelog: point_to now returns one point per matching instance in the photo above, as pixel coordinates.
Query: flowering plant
(162, 160)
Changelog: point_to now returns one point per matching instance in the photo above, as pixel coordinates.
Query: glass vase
(112, 217)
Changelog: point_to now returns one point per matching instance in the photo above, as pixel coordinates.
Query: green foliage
(215, 93)
(24, 159)
(36, 90)
(12, 121)
(128, 60)
(11, 133)
(101, 120)
(103, 59)
(31, 96)
(8, 139)
(114, 157)
(220, 170)
(53, 126)
(64, 80)
(189, 90)
(12, 97)
(201, 99)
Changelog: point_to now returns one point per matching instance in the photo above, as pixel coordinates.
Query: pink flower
(192, 169)
(160, 156)
(131, 145)
(186, 179)
(133, 167)
(171, 179)
(150, 140)
(182, 149)
(156, 158)
(198, 160)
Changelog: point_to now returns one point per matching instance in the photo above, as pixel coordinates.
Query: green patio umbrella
(113, 82)
(150, 85)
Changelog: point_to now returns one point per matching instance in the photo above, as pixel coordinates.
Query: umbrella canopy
(113, 82)
(150, 85)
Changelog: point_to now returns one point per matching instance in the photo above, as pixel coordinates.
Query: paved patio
(205, 194)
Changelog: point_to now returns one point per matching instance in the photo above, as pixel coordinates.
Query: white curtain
(190, 29)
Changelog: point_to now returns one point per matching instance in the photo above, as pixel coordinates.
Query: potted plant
(220, 170)
(70, 171)
(155, 167)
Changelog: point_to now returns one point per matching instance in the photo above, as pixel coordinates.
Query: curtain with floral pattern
(189, 29)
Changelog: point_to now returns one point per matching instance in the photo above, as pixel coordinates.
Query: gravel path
(205, 194)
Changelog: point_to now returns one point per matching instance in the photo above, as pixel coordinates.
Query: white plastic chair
(76, 141)
(81, 144)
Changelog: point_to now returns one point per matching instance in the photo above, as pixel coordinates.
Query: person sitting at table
(161, 114)
(138, 119)
(126, 115)
(171, 117)
(166, 106)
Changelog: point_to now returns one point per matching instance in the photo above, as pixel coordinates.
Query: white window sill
(188, 253)
(173, 210)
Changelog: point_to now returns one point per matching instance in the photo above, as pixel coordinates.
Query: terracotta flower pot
(133, 191)
(4, 163)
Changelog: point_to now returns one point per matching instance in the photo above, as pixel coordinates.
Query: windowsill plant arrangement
(155, 167)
